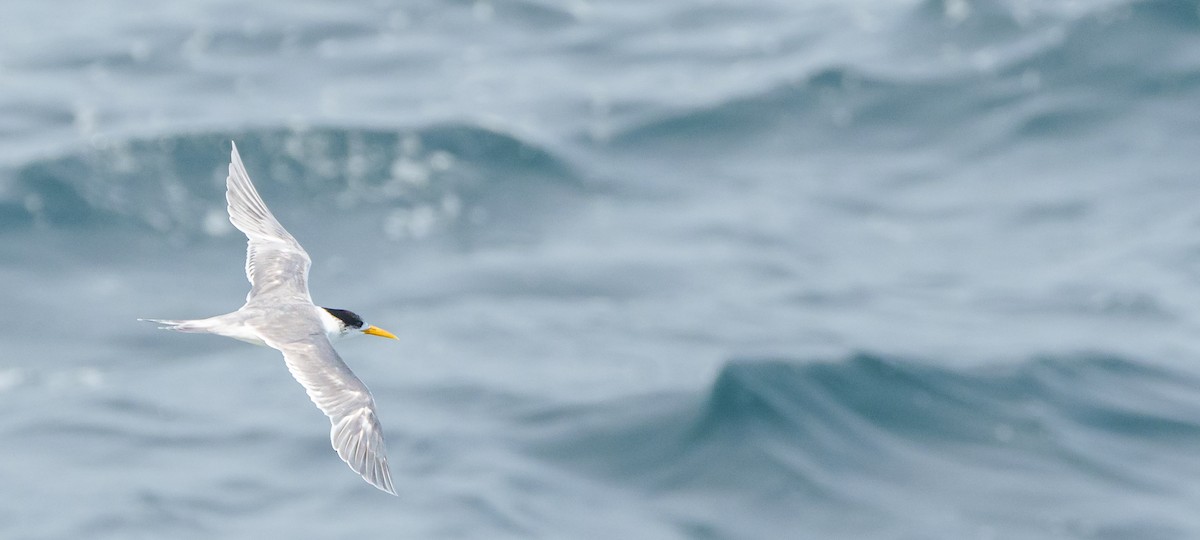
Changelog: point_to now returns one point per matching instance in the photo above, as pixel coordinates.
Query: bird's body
(247, 324)
(279, 313)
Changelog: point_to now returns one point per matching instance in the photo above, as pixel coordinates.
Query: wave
(174, 183)
(1004, 75)
(862, 431)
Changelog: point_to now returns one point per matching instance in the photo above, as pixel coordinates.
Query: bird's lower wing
(356, 434)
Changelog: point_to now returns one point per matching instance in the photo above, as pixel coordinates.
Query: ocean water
(672, 270)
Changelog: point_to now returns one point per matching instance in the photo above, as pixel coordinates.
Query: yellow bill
(377, 331)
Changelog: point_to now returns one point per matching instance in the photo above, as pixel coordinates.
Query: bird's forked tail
(199, 325)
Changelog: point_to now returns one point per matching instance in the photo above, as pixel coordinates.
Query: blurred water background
(705, 269)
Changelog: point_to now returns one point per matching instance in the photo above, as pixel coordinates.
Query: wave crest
(175, 183)
(817, 431)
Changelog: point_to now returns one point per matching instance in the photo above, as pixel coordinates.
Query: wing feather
(356, 434)
(276, 264)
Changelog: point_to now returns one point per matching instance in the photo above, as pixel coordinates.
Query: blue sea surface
(671, 270)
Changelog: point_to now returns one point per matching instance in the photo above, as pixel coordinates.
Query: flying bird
(279, 313)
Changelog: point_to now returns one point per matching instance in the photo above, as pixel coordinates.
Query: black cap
(351, 319)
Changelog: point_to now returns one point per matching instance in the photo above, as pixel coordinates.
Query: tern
(279, 313)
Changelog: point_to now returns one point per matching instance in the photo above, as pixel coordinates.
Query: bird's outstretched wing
(276, 265)
(356, 434)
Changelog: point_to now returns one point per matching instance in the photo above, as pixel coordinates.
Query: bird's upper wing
(276, 265)
(356, 434)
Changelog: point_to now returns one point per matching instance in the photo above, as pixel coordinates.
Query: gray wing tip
(358, 440)
(235, 161)
(375, 471)
(385, 482)
(234, 158)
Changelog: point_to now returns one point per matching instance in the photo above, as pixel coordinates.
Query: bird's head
(342, 323)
